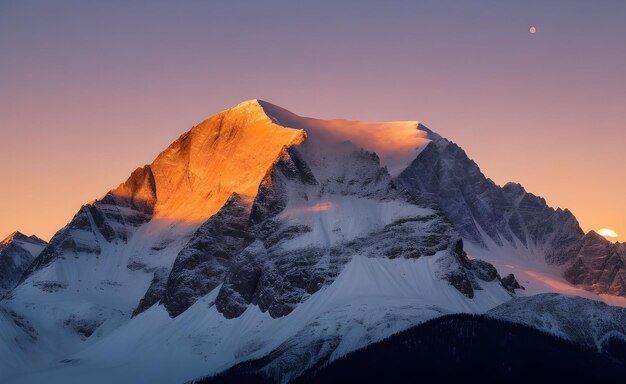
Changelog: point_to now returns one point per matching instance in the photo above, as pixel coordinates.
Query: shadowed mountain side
(485, 213)
(112, 219)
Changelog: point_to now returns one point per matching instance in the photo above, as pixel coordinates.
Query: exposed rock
(202, 264)
(599, 265)
(83, 327)
(154, 293)
(484, 270)
(240, 283)
(452, 271)
(510, 283)
(443, 170)
(139, 190)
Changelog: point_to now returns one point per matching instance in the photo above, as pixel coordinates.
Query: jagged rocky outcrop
(17, 252)
(485, 213)
(444, 172)
(510, 283)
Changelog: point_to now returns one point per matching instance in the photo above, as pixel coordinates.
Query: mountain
(260, 235)
(17, 252)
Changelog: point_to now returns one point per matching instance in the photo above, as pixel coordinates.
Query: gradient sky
(89, 90)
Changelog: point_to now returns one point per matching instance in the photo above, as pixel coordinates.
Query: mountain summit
(263, 236)
(17, 252)
(225, 154)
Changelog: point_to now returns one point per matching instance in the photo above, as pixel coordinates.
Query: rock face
(488, 215)
(203, 263)
(599, 265)
(17, 252)
(510, 283)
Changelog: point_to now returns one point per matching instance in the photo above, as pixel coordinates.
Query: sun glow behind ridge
(606, 232)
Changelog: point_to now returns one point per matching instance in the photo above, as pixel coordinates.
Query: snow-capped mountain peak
(18, 236)
(261, 234)
(17, 251)
(396, 143)
(227, 153)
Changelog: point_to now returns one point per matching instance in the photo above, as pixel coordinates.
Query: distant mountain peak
(19, 236)
(17, 251)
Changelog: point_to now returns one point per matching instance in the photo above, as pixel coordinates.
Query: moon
(607, 233)
(533, 29)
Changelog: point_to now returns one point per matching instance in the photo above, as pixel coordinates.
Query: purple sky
(89, 90)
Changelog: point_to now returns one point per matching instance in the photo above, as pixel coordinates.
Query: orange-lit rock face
(229, 152)
(140, 187)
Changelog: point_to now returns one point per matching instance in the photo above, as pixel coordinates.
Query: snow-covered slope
(17, 252)
(371, 299)
(588, 322)
(396, 143)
